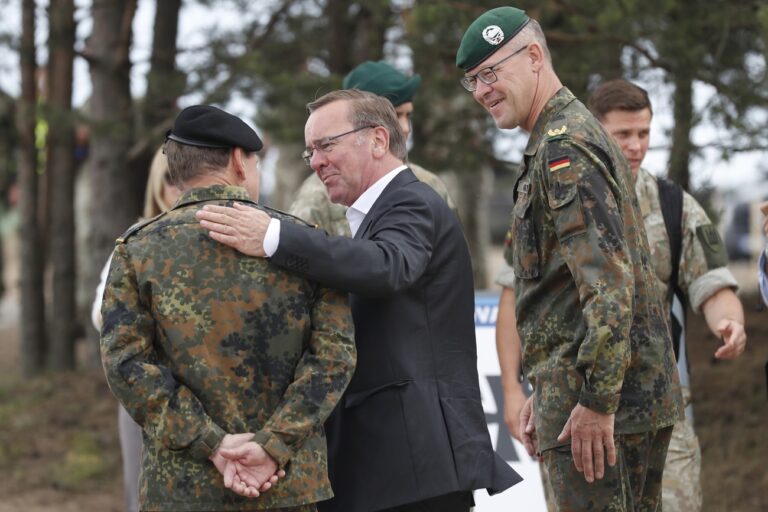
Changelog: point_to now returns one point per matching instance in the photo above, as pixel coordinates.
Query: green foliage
(297, 52)
(294, 51)
(451, 131)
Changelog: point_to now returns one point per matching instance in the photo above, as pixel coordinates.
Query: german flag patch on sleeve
(559, 163)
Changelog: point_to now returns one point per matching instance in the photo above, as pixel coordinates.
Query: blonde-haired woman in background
(160, 195)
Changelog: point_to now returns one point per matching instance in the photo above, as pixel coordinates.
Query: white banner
(528, 495)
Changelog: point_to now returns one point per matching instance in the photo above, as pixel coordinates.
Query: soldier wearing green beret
(702, 278)
(229, 364)
(596, 342)
(312, 202)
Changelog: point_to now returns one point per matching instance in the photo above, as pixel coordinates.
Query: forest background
(72, 175)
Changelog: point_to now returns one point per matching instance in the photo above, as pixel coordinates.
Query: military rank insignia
(559, 164)
(554, 132)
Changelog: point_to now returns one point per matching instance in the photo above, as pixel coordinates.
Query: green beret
(487, 34)
(382, 79)
(210, 127)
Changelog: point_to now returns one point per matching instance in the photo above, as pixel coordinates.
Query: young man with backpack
(689, 260)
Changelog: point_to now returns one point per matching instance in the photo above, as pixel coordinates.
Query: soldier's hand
(241, 227)
(528, 428)
(514, 401)
(255, 468)
(228, 468)
(591, 435)
(734, 339)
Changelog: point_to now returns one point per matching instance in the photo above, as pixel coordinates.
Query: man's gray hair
(368, 109)
(532, 32)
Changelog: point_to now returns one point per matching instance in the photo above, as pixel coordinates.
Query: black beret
(211, 127)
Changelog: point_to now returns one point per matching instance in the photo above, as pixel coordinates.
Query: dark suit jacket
(410, 425)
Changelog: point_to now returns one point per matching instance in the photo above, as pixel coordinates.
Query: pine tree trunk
(680, 155)
(32, 329)
(164, 85)
(113, 208)
(164, 82)
(338, 36)
(60, 168)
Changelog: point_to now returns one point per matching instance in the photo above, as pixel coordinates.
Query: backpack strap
(671, 200)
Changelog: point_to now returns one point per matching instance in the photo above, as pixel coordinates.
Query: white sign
(528, 495)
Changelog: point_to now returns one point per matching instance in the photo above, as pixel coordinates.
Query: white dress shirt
(355, 213)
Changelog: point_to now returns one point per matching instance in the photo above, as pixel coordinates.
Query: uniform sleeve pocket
(561, 193)
(566, 207)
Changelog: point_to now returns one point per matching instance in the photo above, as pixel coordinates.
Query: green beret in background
(382, 79)
(488, 33)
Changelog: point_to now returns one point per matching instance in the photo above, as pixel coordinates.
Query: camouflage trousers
(681, 487)
(632, 485)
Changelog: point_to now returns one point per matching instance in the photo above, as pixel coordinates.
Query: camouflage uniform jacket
(592, 325)
(199, 340)
(703, 258)
(313, 204)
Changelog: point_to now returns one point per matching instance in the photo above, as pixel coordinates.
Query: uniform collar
(556, 103)
(213, 192)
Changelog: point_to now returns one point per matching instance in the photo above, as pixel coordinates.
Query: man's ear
(380, 140)
(238, 162)
(536, 56)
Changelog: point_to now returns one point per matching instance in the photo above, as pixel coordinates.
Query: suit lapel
(386, 197)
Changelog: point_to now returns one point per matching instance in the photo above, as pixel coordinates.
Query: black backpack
(671, 199)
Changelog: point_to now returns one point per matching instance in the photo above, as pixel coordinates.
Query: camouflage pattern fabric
(703, 258)
(681, 483)
(592, 326)
(681, 490)
(549, 498)
(199, 340)
(632, 485)
(681, 486)
(702, 273)
(695, 277)
(314, 206)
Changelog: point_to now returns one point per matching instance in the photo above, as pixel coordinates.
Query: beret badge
(493, 34)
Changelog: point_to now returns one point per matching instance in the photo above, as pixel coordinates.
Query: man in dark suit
(409, 433)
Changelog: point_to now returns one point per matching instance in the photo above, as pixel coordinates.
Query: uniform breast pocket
(525, 247)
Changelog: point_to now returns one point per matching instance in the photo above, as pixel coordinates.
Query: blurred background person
(159, 196)
(762, 270)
